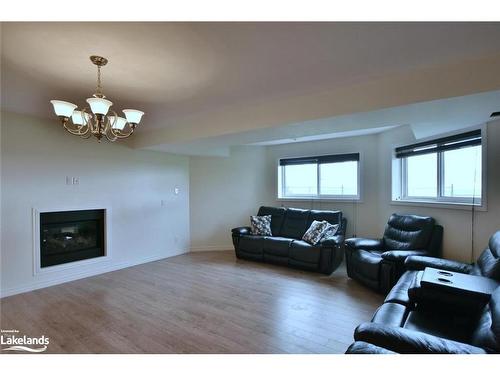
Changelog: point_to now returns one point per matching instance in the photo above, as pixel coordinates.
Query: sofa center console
(477, 287)
(452, 291)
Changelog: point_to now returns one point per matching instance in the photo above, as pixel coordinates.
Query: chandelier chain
(99, 86)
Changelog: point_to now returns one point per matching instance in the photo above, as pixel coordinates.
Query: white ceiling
(173, 70)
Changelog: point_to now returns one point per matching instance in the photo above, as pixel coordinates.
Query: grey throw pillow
(330, 231)
(261, 225)
(315, 232)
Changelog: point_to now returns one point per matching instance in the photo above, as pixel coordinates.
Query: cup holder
(444, 273)
(443, 280)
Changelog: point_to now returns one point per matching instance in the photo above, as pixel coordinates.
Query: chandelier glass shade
(98, 121)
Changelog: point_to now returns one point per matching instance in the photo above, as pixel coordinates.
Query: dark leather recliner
(437, 321)
(286, 247)
(378, 263)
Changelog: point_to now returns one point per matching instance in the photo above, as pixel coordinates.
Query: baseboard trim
(80, 275)
(195, 249)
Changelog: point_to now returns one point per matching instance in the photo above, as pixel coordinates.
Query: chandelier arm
(87, 123)
(121, 135)
(117, 133)
(109, 138)
(108, 127)
(74, 131)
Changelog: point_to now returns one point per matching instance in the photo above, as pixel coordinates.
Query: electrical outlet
(163, 203)
(76, 180)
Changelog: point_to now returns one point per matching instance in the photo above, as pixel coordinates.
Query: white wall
(232, 188)
(224, 193)
(36, 157)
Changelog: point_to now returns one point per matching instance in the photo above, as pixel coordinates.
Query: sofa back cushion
(295, 223)
(487, 331)
(277, 217)
(406, 232)
(333, 217)
(489, 260)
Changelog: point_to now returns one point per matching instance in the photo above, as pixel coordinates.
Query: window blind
(453, 142)
(323, 159)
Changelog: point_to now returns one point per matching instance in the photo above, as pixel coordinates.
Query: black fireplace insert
(69, 236)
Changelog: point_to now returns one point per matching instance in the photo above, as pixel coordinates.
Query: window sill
(445, 205)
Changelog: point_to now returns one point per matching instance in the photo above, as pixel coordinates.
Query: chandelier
(97, 121)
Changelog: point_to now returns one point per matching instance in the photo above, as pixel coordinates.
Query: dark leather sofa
(285, 246)
(415, 320)
(379, 263)
(428, 331)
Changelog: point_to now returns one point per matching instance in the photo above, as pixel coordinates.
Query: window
(444, 170)
(421, 172)
(319, 177)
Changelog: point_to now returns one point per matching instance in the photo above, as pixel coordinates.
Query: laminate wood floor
(207, 302)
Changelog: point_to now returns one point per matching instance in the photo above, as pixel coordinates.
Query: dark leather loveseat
(378, 263)
(286, 247)
(419, 320)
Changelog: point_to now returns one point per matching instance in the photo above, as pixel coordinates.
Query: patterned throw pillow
(315, 232)
(330, 231)
(261, 225)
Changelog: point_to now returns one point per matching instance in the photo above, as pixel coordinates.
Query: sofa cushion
(295, 223)
(277, 217)
(367, 263)
(408, 232)
(304, 252)
(333, 217)
(251, 244)
(278, 246)
(261, 225)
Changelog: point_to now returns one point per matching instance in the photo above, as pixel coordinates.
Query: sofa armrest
(241, 231)
(364, 243)
(361, 347)
(400, 255)
(332, 241)
(418, 263)
(406, 341)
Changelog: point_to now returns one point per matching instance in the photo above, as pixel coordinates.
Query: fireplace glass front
(69, 236)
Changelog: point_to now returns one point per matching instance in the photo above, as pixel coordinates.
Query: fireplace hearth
(70, 236)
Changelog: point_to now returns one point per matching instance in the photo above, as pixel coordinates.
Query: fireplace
(69, 236)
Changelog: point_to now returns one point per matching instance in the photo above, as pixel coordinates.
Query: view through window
(329, 176)
(447, 169)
